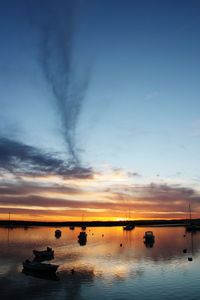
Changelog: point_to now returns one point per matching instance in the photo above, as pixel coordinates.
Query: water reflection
(100, 263)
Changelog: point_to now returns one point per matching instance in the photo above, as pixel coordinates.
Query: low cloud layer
(42, 183)
(20, 159)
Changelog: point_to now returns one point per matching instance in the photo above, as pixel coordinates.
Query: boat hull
(40, 267)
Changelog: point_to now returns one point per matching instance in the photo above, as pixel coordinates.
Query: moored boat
(38, 266)
(43, 275)
(192, 226)
(58, 233)
(149, 237)
(82, 235)
(44, 254)
(82, 238)
(129, 226)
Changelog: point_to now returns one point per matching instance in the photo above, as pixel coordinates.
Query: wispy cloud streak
(57, 61)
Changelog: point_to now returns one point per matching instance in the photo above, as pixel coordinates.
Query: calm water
(103, 269)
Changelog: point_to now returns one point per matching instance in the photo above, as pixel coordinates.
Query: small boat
(82, 238)
(129, 226)
(44, 254)
(9, 225)
(38, 266)
(191, 226)
(58, 233)
(82, 235)
(43, 275)
(149, 237)
(71, 227)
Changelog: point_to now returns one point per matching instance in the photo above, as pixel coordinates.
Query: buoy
(184, 250)
(120, 245)
(189, 258)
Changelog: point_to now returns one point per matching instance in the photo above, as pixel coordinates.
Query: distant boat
(191, 226)
(129, 226)
(82, 238)
(47, 254)
(71, 227)
(58, 233)
(9, 225)
(149, 237)
(44, 275)
(38, 266)
(82, 235)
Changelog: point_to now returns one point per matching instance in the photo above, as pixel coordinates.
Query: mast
(190, 213)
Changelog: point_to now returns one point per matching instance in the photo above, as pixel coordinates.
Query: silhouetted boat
(58, 233)
(129, 226)
(38, 266)
(43, 275)
(9, 225)
(82, 238)
(149, 237)
(71, 227)
(44, 254)
(82, 235)
(191, 226)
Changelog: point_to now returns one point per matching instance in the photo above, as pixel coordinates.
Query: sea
(112, 264)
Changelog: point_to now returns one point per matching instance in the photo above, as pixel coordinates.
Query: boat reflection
(82, 242)
(149, 244)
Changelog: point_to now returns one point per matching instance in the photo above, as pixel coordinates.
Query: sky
(99, 109)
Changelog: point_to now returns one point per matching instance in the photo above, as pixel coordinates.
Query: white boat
(38, 266)
(44, 254)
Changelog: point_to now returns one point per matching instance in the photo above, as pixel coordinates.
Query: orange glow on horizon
(87, 217)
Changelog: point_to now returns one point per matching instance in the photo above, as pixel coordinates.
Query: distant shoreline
(160, 223)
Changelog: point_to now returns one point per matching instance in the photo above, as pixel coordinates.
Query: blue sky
(133, 68)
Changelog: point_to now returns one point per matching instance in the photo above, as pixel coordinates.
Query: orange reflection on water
(109, 251)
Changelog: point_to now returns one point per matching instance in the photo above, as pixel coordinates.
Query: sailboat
(130, 224)
(191, 226)
(9, 224)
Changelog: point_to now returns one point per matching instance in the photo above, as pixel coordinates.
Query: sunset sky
(99, 109)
